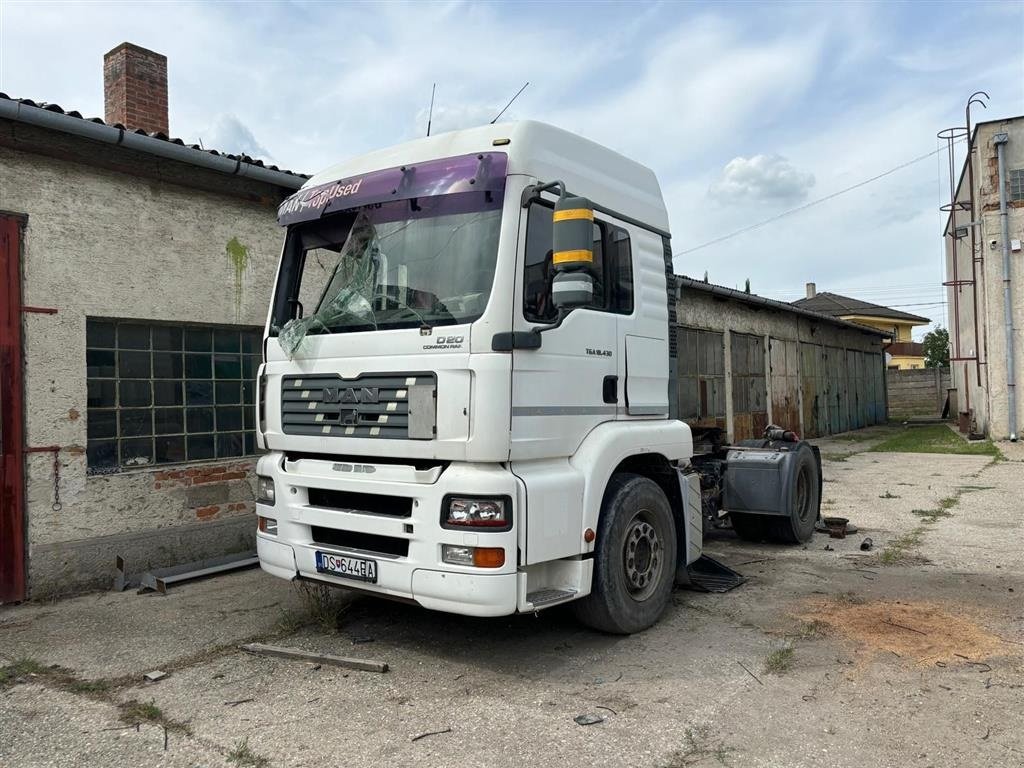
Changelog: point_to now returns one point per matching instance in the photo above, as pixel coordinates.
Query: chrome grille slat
(373, 405)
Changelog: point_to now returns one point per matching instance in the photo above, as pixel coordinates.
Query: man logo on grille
(351, 395)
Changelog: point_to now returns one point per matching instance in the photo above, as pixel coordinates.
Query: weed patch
(697, 748)
(898, 549)
(21, 671)
(779, 660)
(243, 755)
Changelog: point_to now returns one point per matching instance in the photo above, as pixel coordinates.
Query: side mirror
(572, 253)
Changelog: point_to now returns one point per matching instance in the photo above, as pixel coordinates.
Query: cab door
(568, 386)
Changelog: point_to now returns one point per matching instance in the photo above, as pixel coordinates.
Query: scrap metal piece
(297, 654)
(154, 676)
(160, 579)
(121, 579)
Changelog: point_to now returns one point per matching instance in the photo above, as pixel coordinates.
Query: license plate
(347, 567)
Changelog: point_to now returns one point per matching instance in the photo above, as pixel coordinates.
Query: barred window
(1017, 184)
(165, 393)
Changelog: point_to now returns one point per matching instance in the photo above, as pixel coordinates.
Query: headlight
(467, 512)
(265, 490)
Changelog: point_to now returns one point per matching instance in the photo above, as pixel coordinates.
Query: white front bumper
(416, 572)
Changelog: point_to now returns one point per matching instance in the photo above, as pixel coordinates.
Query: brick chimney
(135, 88)
(812, 290)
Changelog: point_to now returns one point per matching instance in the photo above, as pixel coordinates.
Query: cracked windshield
(398, 265)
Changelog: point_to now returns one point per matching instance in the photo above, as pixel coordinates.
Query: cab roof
(534, 149)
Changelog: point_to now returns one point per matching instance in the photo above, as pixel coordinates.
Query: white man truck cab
(468, 390)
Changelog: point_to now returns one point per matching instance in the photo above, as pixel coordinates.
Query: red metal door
(12, 475)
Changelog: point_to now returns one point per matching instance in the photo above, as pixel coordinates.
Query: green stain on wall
(238, 255)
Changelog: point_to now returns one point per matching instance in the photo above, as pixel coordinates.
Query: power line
(812, 203)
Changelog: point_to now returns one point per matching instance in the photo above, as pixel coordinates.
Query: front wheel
(634, 559)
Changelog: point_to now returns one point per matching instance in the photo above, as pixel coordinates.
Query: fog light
(465, 512)
(265, 490)
(268, 525)
(479, 557)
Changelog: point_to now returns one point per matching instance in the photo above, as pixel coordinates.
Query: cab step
(543, 597)
(708, 575)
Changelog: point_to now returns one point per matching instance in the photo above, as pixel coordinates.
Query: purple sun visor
(484, 172)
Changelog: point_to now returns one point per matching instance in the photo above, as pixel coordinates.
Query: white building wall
(988, 401)
(114, 244)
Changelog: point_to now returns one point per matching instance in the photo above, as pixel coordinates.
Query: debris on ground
(867, 544)
(588, 719)
(920, 632)
(154, 676)
(297, 654)
(431, 733)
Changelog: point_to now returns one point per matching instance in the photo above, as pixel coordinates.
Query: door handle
(610, 389)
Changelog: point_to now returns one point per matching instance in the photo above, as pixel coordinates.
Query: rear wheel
(805, 503)
(634, 558)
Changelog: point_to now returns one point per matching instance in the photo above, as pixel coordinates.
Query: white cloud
(229, 134)
(762, 178)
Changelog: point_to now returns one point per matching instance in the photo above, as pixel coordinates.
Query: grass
(809, 629)
(779, 660)
(888, 495)
(697, 748)
(935, 438)
(141, 712)
(20, 671)
(242, 754)
(899, 547)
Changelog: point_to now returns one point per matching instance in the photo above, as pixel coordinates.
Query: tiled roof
(841, 306)
(691, 283)
(162, 137)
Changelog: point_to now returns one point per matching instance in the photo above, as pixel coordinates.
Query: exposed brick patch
(209, 473)
(205, 513)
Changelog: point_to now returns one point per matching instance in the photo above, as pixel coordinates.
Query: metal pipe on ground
(1000, 140)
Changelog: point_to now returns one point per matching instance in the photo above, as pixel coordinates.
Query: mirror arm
(533, 191)
(506, 342)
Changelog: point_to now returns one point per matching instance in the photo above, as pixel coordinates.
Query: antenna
(430, 115)
(509, 103)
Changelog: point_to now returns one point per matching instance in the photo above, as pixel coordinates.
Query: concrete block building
(135, 273)
(985, 279)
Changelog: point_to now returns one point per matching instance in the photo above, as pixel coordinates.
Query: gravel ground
(908, 655)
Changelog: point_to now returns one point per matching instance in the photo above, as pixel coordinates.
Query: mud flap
(708, 575)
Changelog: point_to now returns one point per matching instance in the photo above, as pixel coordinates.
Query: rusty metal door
(784, 365)
(12, 473)
(702, 378)
(749, 386)
(813, 403)
(838, 418)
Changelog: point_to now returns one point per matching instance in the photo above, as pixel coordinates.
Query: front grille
(367, 542)
(373, 405)
(364, 503)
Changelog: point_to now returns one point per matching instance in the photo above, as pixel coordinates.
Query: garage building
(746, 361)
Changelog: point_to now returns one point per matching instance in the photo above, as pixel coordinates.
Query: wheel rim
(643, 556)
(803, 494)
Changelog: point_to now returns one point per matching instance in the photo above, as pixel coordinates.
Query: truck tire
(634, 558)
(798, 526)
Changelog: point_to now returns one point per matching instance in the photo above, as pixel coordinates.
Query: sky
(745, 111)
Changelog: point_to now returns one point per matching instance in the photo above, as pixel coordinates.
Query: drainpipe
(1000, 140)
